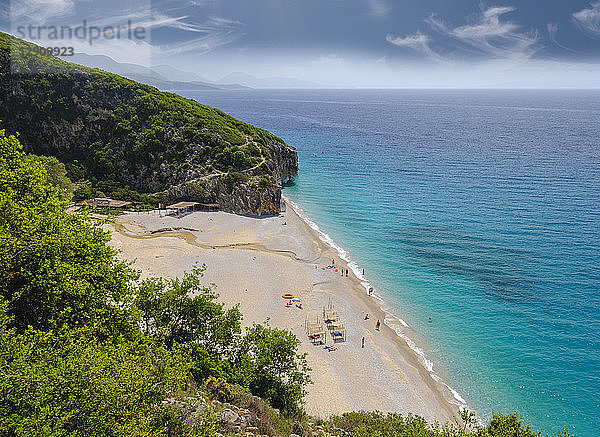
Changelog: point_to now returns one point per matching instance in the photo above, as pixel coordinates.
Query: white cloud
(39, 11)
(202, 37)
(199, 46)
(491, 36)
(201, 3)
(418, 42)
(210, 26)
(588, 19)
(553, 29)
(214, 32)
(199, 32)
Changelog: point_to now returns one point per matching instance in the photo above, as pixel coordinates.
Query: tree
(183, 311)
(55, 268)
(56, 171)
(279, 374)
(265, 360)
(509, 425)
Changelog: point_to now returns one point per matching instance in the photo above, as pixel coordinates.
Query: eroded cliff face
(286, 160)
(249, 193)
(238, 198)
(120, 135)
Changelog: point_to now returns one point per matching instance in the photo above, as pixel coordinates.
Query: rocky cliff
(121, 136)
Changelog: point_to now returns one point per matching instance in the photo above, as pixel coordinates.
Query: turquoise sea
(479, 209)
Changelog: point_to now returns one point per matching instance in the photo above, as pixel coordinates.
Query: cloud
(194, 36)
(39, 11)
(418, 42)
(553, 29)
(214, 32)
(491, 36)
(378, 8)
(201, 3)
(177, 26)
(210, 26)
(588, 20)
(199, 46)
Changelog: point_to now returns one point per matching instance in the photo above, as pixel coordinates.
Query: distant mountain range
(268, 82)
(163, 77)
(168, 78)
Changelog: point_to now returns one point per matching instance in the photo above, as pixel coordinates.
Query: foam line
(391, 320)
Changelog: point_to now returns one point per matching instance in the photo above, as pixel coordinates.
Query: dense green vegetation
(395, 425)
(126, 140)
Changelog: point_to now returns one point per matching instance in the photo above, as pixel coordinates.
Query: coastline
(392, 319)
(254, 260)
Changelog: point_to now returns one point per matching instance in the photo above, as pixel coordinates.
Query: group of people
(345, 272)
(377, 326)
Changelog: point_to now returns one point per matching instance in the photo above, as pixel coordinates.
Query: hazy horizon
(371, 44)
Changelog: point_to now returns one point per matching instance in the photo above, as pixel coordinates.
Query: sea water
(476, 216)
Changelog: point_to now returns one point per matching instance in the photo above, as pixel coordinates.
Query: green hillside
(119, 136)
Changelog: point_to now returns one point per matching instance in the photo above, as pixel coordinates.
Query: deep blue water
(479, 209)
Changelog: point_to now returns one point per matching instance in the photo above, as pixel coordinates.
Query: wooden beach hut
(334, 324)
(208, 206)
(183, 207)
(105, 202)
(316, 332)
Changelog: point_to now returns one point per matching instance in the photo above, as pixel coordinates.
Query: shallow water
(479, 209)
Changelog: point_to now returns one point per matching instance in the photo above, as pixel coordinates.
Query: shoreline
(390, 316)
(253, 261)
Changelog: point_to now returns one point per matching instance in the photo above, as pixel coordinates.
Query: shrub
(219, 389)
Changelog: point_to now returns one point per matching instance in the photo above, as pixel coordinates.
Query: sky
(335, 43)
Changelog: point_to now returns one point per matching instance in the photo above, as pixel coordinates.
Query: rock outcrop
(253, 419)
(286, 159)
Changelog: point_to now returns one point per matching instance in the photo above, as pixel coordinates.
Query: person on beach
(377, 325)
(363, 343)
(370, 291)
(346, 273)
(332, 262)
(367, 316)
(363, 272)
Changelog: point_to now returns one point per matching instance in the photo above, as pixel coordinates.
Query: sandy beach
(253, 261)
